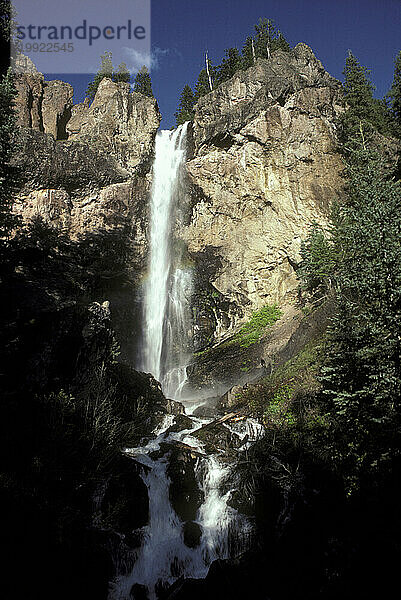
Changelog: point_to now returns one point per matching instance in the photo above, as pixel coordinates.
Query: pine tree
(202, 86)
(317, 269)
(269, 39)
(106, 70)
(230, 64)
(395, 95)
(358, 89)
(248, 53)
(7, 174)
(143, 83)
(185, 110)
(362, 108)
(362, 372)
(122, 74)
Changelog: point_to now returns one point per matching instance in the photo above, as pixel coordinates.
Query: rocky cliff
(83, 168)
(264, 166)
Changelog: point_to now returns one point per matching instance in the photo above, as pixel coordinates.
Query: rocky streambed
(186, 467)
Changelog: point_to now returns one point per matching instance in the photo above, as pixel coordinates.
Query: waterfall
(164, 555)
(168, 288)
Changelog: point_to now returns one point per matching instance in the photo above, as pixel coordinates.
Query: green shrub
(252, 332)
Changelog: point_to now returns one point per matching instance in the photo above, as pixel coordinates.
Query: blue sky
(183, 29)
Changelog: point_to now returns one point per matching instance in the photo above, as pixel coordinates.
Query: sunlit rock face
(91, 173)
(264, 167)
(119, 122)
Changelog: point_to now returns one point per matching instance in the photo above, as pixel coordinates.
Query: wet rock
(139, 592)
(125, 504)
(232, 397)
(192, 534)
(181, 422)
(207, 410)
(174, 407)
(185, 495)
(218, 438)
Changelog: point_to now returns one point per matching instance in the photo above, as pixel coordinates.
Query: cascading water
(164, 556)
(168, 288)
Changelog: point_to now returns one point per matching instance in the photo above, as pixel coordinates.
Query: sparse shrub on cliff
(260, 320)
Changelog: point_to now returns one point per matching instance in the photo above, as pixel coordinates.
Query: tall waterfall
(164, 554)
(168, 288)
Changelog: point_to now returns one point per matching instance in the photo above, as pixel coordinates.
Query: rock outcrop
(56, 108)
(41, 105)
(97, 178)
(264, 167)
(96, 183)
(118, 122)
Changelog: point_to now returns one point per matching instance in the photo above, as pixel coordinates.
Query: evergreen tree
(106, 70)
(202, 86)
(122, 74)
(268, 39)
(362, 373)
(7, 175)
(230, 64)
(395, 95)
(248, 53)
(143, 83)
(362, 108)
(358, 89)
(317, 269)
(185, 110)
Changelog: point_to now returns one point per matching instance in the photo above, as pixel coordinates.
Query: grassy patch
(285, 399)
(252, 332)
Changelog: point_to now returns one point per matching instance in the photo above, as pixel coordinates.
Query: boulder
(192, 534)
(185, 494)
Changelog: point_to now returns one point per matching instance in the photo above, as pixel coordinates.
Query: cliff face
(264, 166)
(118, 122)
(84, 168)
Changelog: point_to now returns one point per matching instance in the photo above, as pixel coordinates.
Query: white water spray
(161, 288)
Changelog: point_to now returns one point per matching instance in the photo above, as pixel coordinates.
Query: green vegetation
(394, 96)
(107, 71)
(143, 83)
(185, 107)
(362, 107)
(317, 270)
(286, 386)
(266, 40)
(7, 174)
(359, 262)
(260, 321)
